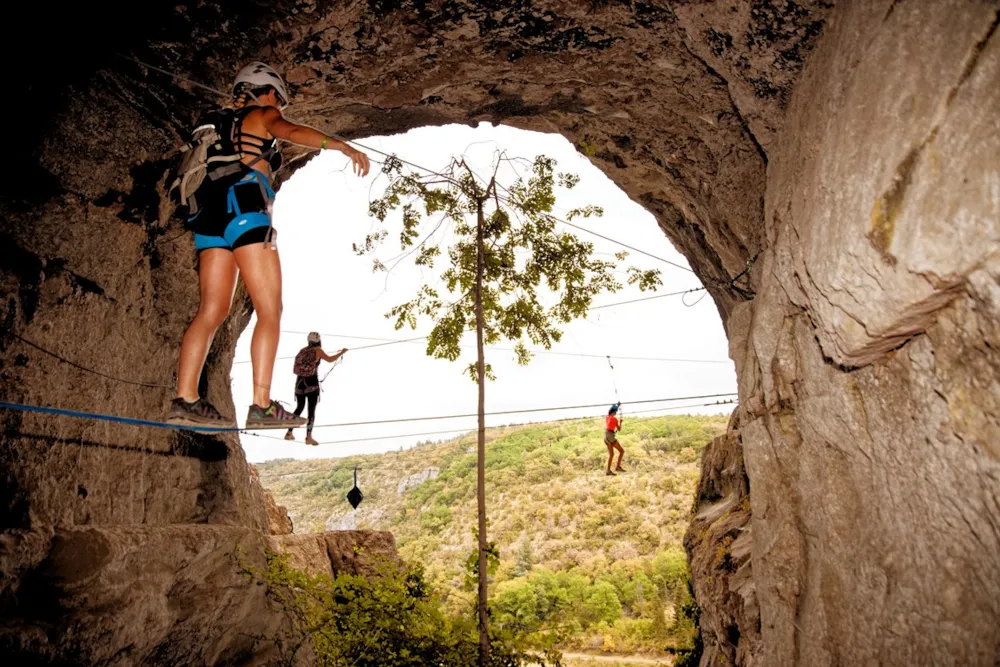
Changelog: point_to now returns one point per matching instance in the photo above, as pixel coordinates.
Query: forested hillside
(595, 561)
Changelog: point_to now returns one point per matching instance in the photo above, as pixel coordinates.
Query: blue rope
(113, 418)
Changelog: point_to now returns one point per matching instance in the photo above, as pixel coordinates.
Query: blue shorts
(242, 230)
(245, 219)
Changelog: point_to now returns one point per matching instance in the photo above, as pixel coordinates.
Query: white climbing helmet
(313, 337)
(257, 75)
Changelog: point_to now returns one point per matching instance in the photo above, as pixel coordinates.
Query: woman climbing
(307, 381)
(611, 427)
(234, 235)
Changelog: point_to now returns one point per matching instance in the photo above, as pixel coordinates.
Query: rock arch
(849, 151)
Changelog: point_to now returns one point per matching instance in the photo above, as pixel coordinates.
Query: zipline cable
(514, 412)
(602, 236)
(471, 429)
(613, 382)
(646, 298)
(585, 355)
(376, 437)
(401, 465)
(155, 424)
(624, 245)
(419, 338)
(88, 370)
(510, 349)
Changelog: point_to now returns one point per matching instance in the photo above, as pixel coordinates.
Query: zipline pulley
(618, 400)
(354, 496)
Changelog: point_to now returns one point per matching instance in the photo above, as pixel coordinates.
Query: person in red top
(612, 425)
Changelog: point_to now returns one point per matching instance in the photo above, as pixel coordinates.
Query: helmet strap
(281, 107)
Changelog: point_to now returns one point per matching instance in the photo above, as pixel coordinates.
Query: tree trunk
(484, 638)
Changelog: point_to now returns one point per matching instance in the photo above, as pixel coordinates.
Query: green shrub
(602, 603)
(388, 619)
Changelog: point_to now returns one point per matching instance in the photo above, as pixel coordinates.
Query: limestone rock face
(151, 595)
(848, 155)
(278, 520)
(336, 552)
(719, 542)
(415, 480)
(868, 368)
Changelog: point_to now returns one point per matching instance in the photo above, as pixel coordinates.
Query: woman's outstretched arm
(276, 124)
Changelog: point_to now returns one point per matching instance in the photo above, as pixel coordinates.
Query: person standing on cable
(611, 427)
(234, 236)
(306, 370)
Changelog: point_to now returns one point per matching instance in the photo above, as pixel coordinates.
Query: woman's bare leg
(217, 280)
(261, 271)
(611, 455)
(621, 453)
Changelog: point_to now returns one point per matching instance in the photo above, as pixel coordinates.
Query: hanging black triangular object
(354, 496)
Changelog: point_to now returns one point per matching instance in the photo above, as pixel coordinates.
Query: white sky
(323, 209)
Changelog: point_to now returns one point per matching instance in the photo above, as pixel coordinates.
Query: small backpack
(306, 362)
(211, 152)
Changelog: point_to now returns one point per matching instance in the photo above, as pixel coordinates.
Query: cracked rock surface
(868, 361)
(851, 515)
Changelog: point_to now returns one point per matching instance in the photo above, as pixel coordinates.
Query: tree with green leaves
(511, 275)
(388, 616)
(525, 557)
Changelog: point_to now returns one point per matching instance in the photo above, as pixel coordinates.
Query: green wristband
(322, 144)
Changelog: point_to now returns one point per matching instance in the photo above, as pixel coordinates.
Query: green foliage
(587, 149)
(535, 277)
(389, 618)
(601, 603)
(515, 605)
(472, 562)
(435, 519)
(565, 536)
(670, 568)
(647, 280)
(690, 656)
(525, 558)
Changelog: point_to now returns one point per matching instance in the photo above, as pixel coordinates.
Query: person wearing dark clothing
(307, 391)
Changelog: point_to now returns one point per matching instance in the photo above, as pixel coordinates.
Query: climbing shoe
(289, 436)
(311, 441)
(610, 473)
(199, 413)
(619, 469)
(273, 416)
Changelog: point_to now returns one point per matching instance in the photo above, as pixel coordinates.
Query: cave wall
(118, 544)
(868, 360)
(849, 154)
